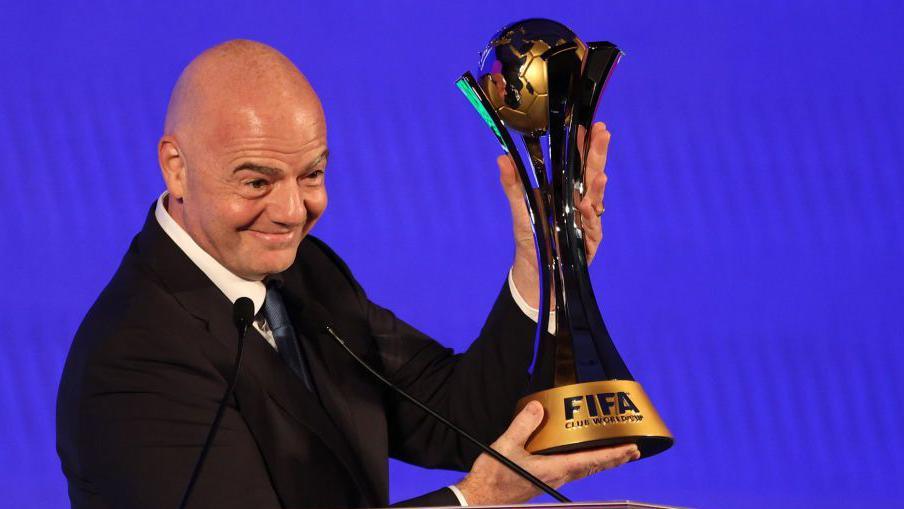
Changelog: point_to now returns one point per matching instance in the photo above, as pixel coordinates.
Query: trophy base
(597, 414)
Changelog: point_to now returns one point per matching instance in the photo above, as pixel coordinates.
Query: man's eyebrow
(320, 159)
(266, 170)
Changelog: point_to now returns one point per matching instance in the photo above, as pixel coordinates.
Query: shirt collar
(232, 286)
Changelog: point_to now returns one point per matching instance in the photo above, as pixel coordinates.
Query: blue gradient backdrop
(750, 271)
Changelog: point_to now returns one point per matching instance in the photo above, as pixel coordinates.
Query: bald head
(235, 79)
(243, 154)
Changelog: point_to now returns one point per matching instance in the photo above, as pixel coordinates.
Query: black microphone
(549, 490)
(242, 316)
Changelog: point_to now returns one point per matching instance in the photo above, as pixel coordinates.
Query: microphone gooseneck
(242, 316)
(549, 490)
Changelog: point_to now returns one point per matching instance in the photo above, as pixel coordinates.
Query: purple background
(750, 272)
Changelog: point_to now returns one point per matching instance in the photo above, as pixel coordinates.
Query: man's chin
(265, 264)
(275, 264)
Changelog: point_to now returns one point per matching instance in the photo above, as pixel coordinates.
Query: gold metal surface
(597, 414)
(527, 110)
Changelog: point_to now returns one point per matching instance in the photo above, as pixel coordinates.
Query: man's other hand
(590, 207)
(492, 483)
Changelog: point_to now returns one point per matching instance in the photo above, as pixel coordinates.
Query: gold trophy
(538, 78)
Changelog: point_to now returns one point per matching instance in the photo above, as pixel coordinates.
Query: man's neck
(232, 285)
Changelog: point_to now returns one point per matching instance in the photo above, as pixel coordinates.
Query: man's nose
(287, 206)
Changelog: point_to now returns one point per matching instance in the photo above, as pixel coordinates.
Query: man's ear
(172, 165)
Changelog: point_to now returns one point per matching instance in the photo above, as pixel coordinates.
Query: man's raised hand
(590, 207)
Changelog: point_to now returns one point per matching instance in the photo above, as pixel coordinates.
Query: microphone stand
(243, 314)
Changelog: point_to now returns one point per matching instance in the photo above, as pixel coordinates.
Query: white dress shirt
(525, 308)
(232, 286)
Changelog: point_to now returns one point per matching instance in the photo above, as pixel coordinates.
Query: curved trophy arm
(536, 209)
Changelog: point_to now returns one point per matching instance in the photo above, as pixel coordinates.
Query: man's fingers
(585, 463)
(590, 219)
(596, 189)
(582, 136)
(508, 176)
(522, 426)
(591, 223)
(591, 205)
(595, 175)
(593, 199)
(599, 145)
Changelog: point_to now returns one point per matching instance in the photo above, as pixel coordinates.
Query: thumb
(508, 177)
(522, 425)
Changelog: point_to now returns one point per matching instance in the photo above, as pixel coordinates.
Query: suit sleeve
(477, 390)
(146, 407)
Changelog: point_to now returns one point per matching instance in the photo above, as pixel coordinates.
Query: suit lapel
(265, 369)
(261, 364)
(334, 376)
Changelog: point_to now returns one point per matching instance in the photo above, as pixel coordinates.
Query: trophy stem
(563, 354)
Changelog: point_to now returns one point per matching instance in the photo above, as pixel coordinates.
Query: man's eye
(315, 178)
(257, 183)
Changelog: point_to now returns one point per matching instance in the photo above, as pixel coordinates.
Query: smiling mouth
(274, 238)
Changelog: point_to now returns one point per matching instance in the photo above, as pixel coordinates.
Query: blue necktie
(284, 334)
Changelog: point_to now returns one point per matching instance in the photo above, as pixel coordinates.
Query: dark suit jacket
(150, 361)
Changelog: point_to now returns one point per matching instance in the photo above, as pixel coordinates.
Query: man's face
(254, 187)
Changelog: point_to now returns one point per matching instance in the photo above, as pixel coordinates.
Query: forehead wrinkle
(254, 125)
(289, 164)
(264, 147)
(235, 163)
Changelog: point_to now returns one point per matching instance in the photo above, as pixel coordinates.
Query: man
(243, 156)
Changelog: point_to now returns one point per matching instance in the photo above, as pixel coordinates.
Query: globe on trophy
(538, 78)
